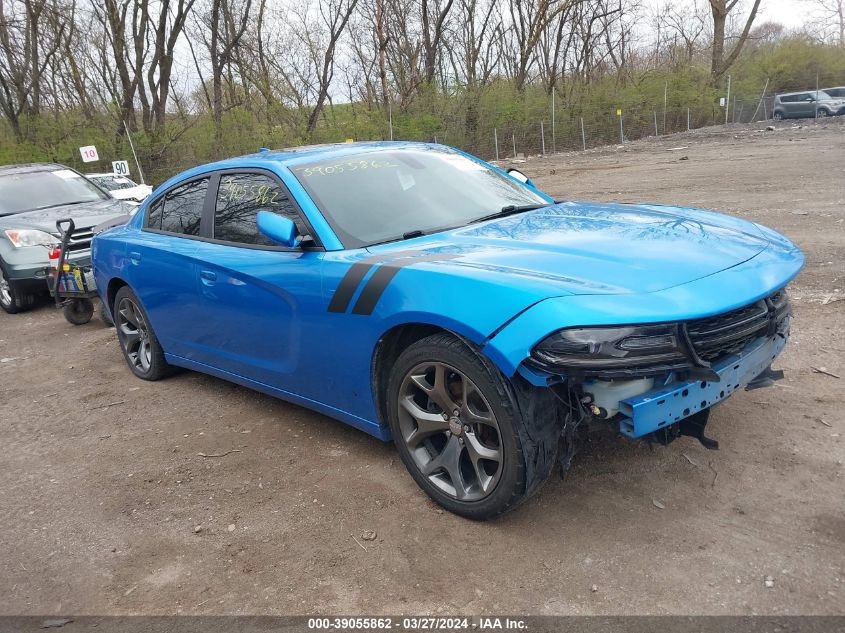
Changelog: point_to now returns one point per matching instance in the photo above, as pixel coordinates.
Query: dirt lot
(103, 485)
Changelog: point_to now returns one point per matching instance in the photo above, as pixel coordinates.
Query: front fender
(473, 306)
(724, 291)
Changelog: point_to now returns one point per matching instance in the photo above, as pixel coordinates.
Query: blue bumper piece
(666, 405)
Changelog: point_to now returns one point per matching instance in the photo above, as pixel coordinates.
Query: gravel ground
(108, 508)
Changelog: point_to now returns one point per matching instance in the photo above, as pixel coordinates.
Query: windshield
(380, 196)
(113, 183)
(41, 189)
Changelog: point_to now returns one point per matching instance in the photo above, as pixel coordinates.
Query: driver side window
(239, 199)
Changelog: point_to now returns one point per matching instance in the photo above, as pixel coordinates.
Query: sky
(790, 13)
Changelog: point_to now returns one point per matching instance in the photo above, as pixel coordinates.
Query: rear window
(113, 183)
(44, 189)
(180, 211)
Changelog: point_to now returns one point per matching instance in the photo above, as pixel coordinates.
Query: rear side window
(181, 209)
(154, 214)
(240, 198)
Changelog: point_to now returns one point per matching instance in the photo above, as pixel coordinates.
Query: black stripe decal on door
(381, 279)
(355, 275)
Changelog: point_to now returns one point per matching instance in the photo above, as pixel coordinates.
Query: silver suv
(32, 198)
(807, 105)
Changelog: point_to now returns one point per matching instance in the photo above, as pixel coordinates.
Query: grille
(80, 239)
(725, 334)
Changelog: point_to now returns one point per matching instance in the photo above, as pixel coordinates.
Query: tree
(29, 38)
(829, 17)
(166, 30)
(720, 62)
(226, 30)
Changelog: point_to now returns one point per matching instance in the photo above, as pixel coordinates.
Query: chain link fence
(568, 132)
(497, 134)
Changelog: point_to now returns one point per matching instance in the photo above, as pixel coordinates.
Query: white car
(121, 187)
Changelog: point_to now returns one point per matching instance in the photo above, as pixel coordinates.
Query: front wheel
(821, 113)
(456, 430)
(12, 298)
(777, 116)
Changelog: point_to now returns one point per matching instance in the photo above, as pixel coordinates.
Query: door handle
(135, 258)
(208, 277)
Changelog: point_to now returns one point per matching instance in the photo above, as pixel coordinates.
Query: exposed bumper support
(663, 406)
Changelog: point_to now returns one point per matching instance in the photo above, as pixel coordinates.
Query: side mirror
(277, 228)
(515, 173)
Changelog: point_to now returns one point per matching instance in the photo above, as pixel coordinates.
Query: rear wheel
(455, 428)
(103, 313)
(12, 299)
(138, 341)
(778, 115)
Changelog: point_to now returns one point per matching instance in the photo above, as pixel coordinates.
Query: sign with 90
(120, 167)
(89, 154)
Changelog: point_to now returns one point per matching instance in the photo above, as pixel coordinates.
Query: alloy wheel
(134, 335)
(450, 431)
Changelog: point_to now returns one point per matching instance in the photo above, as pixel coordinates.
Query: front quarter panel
(728, 290)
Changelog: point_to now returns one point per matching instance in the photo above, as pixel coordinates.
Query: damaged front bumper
(666, 405)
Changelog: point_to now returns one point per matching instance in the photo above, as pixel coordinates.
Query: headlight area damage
(658, 381)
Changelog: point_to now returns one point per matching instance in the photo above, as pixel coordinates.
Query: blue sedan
(425, 296)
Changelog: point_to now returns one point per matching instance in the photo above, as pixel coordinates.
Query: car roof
(292, 156)
(25, 168)
(800, 92)
(309, 153)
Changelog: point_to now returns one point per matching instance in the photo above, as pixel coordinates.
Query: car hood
(84, 215)
(594, 248)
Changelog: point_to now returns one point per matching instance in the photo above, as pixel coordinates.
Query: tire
(822, 113)
(138, 341)
(104, 315)
(12, 299)
(777, 115)
(78, 311)
(472, 464)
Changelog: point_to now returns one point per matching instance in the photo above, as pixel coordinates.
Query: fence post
(542, 138)
(760, 102)
(583, 136)
(688, 127)
(621, 130)
(656, 133)
(132, 145)
(513, 138)
(554, 147)
(665, 103)
(390, 116)
(435, 139)
(496, 142)
(728, 100)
